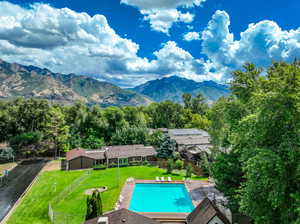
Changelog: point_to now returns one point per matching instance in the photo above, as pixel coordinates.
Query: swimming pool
(160, 198)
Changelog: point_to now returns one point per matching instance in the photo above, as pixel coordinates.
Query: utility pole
(118, 171)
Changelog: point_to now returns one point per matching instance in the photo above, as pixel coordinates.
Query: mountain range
(30, 81)
(172, 88)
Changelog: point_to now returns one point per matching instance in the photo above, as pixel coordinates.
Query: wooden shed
(81, 162)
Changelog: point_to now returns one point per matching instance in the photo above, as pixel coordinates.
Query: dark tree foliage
(165, 115)
(156, 138)
(130, 136)
(78, 125)
(94, 206)
(196, 104)
(25, 139)
(167, 148)
(257, 133)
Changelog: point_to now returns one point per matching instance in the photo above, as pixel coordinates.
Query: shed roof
(75, 153)
(95, 154)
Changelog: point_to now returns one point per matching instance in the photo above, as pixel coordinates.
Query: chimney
(102, 220)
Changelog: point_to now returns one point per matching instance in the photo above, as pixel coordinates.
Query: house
(129, 153)
(207, 213)
(122, 216)
(122, 154)
(191, 143)
(189, 137)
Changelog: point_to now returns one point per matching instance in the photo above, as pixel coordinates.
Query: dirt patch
(90, 191)
(52, 165)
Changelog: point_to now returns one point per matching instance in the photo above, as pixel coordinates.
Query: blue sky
(128, 42)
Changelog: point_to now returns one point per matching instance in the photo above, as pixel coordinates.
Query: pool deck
(192, 186)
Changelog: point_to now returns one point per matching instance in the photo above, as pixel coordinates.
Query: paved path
(18, 180)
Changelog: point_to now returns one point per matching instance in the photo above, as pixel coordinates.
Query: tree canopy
(256, 132)
(65, 127)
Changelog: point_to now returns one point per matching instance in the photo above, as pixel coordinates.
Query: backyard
(50, 184)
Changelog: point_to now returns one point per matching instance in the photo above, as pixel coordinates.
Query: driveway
(18, 180)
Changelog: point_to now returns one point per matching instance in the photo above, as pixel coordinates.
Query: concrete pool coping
(128, 188)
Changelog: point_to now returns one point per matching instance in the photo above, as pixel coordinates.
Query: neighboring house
(121, 154)
(122, 216)
(191, 143)
(207, 213)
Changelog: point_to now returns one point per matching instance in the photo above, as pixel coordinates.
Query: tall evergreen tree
(94, 205)
(167, 148)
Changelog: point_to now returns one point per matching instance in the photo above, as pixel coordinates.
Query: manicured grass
(34, 207)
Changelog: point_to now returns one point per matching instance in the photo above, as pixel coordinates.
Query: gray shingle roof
(125, 151)
(111, 152)
(191, 140)
(96, 154)
(205, 212)
(124, 216)
(187, 131)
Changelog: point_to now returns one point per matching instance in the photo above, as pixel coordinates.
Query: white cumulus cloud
(191, 36)
(66, 41)
(260, 43)
(162, 14)
(173, 60)
(70, 42)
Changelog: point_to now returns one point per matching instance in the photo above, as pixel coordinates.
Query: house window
(123, 161)
(99, 161)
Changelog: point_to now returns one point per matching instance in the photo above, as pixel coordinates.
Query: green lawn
(34, 207)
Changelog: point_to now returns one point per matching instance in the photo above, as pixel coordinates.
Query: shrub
(170, 165)
(124, 164)
(99, 166)
(146, 163)
(113, 165)
(134, 163)
(179, 164)
(189, 170)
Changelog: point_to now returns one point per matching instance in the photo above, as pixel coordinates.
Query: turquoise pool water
(160, 198)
